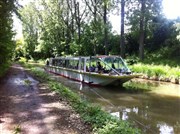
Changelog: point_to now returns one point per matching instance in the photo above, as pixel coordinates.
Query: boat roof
(85, 57)
(105, 56)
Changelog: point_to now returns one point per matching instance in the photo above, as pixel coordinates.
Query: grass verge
(157, 72)
(101, 121)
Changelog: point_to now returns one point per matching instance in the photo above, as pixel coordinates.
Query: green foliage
(159, 71)
(176, 72)
(75, 48)
(3, 68)
(132, 45)
(112, 127)
(30, 30)
(39, 73)
(114, 44)
(164, 35)
(159, 31)
(22, 60)
(6, 32)
(156, 70)
(19, 50)
(59, 28)
(164, 56)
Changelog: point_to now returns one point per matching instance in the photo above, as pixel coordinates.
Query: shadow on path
(35, 109)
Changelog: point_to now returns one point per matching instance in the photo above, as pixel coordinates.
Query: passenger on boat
(87, 69)
(92, 68)
(77, 66)
(113, 66)
(100, 68)
(47, 63)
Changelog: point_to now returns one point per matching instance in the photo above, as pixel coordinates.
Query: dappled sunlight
(17, 67)
(55, 105)
(33, 108)
(7, 119)
(19, 81)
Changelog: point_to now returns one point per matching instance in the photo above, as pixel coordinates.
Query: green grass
(159, 71)
(101, 121)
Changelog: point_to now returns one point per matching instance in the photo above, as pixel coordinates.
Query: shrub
(4, 68)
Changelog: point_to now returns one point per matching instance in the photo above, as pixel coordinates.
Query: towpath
(28, 107)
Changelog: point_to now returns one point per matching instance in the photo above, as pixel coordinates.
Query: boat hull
(91, 78)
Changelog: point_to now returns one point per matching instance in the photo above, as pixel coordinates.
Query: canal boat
(93, 70)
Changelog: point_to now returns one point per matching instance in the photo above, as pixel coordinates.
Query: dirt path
(30, 107)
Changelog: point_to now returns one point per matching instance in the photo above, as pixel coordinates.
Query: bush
(112, 127)
(3, 68)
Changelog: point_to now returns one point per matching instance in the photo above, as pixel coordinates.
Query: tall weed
(156, 70)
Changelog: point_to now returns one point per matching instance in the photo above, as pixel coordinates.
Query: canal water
(154, 107)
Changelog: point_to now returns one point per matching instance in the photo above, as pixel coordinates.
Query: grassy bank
(101, 121)
(158, 72)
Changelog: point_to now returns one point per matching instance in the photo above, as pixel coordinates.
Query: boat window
(73, 64)
(82, 64)
(60, 63)
(54, 62)
(90, 65)
(96, 65)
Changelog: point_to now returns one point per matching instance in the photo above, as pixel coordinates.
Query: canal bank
(154, 108)
(101, 121)
(146, 105)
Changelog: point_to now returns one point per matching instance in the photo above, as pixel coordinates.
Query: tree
(93, 9)
(105, 27)
(19, 50)
(99, 10)
(141, 30)
(140, 16)
(30, 29)
(6, 33)
(122, 41)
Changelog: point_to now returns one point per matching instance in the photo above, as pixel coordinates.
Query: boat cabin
(95, 64)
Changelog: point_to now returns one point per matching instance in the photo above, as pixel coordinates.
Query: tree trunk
(141, 38)
(78, 23)
(122, 43)
(105, 29)
(95, 22)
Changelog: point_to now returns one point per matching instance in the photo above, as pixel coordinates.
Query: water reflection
(155, 110)
(165, 129)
